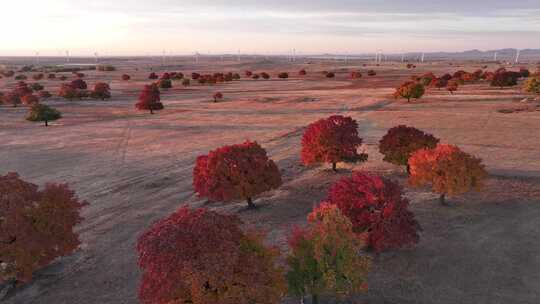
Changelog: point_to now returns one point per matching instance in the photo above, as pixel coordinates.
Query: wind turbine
(402, 57)
(238, 58)
(37, 58)
(495, 56)
(96, 56)
(67, 56)
(423, 56)
(517, 55)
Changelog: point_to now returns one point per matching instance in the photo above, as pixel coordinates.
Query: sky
(176, 27)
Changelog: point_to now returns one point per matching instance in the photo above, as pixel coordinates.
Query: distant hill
(502, 54)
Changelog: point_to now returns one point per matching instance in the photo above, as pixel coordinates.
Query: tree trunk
(334, 167)
(442, 199)
(151, 110)
(215, 99)
(46, 123)
(408, 99)
(250, 203)
(408, 170)
(314, 299)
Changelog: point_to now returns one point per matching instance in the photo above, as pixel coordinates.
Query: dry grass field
(134, 168)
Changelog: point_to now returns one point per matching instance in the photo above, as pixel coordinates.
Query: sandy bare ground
(134, 168)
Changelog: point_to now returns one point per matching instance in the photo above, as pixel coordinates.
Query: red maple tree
(36, 226)
(150, 99)
(377, 208)
(332, 140)
(203, 257)
(236, 172)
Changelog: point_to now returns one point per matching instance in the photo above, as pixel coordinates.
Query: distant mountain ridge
(502, 54)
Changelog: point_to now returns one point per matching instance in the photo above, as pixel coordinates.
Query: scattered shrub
(330, 75)
(165, 83)
(36, 226)
(401, 142)
(438, 83)
(67, 91)
(101, 91)
(283, 75)
(371, 73)
(165, 76)
(377, 210)
(21, 77)
(63, 78)
(248, 73)
(195, 76)
(218, 96)
(255, 76)
(51, 76)
(178, 76)
(105, 68)
(79, 84)
(186, 82)
(302, 72)
(200, 256)
(265, 76)
(332, 140)
(153, 76)
(38, 76)
(236, 172)
(504, 79)
(356, 75)
(449, 170)
(44, 94)
(29, 99)
(427, 78)
(36, 86)
(452, 86)
(150, 99)
(524, 73)
(12, 98)
(126, 77)
(22, 89)
(8, 73)
(325, 258)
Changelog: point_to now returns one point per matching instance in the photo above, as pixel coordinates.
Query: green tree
(41, 112)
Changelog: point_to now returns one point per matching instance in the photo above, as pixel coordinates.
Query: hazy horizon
(128, 28)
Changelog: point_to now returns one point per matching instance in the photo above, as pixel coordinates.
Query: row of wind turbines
(291, 56)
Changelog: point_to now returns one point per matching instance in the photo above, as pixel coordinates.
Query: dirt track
(135, 168)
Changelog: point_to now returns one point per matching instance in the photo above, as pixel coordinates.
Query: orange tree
(452, 86)
(235, 172)
(410, 89)
(332, 140)
(203, 257)
(36, 226)
(101, 91)
(449, 170)
(400, 142)
(325, 258)
(532, 85)
(377, 209)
